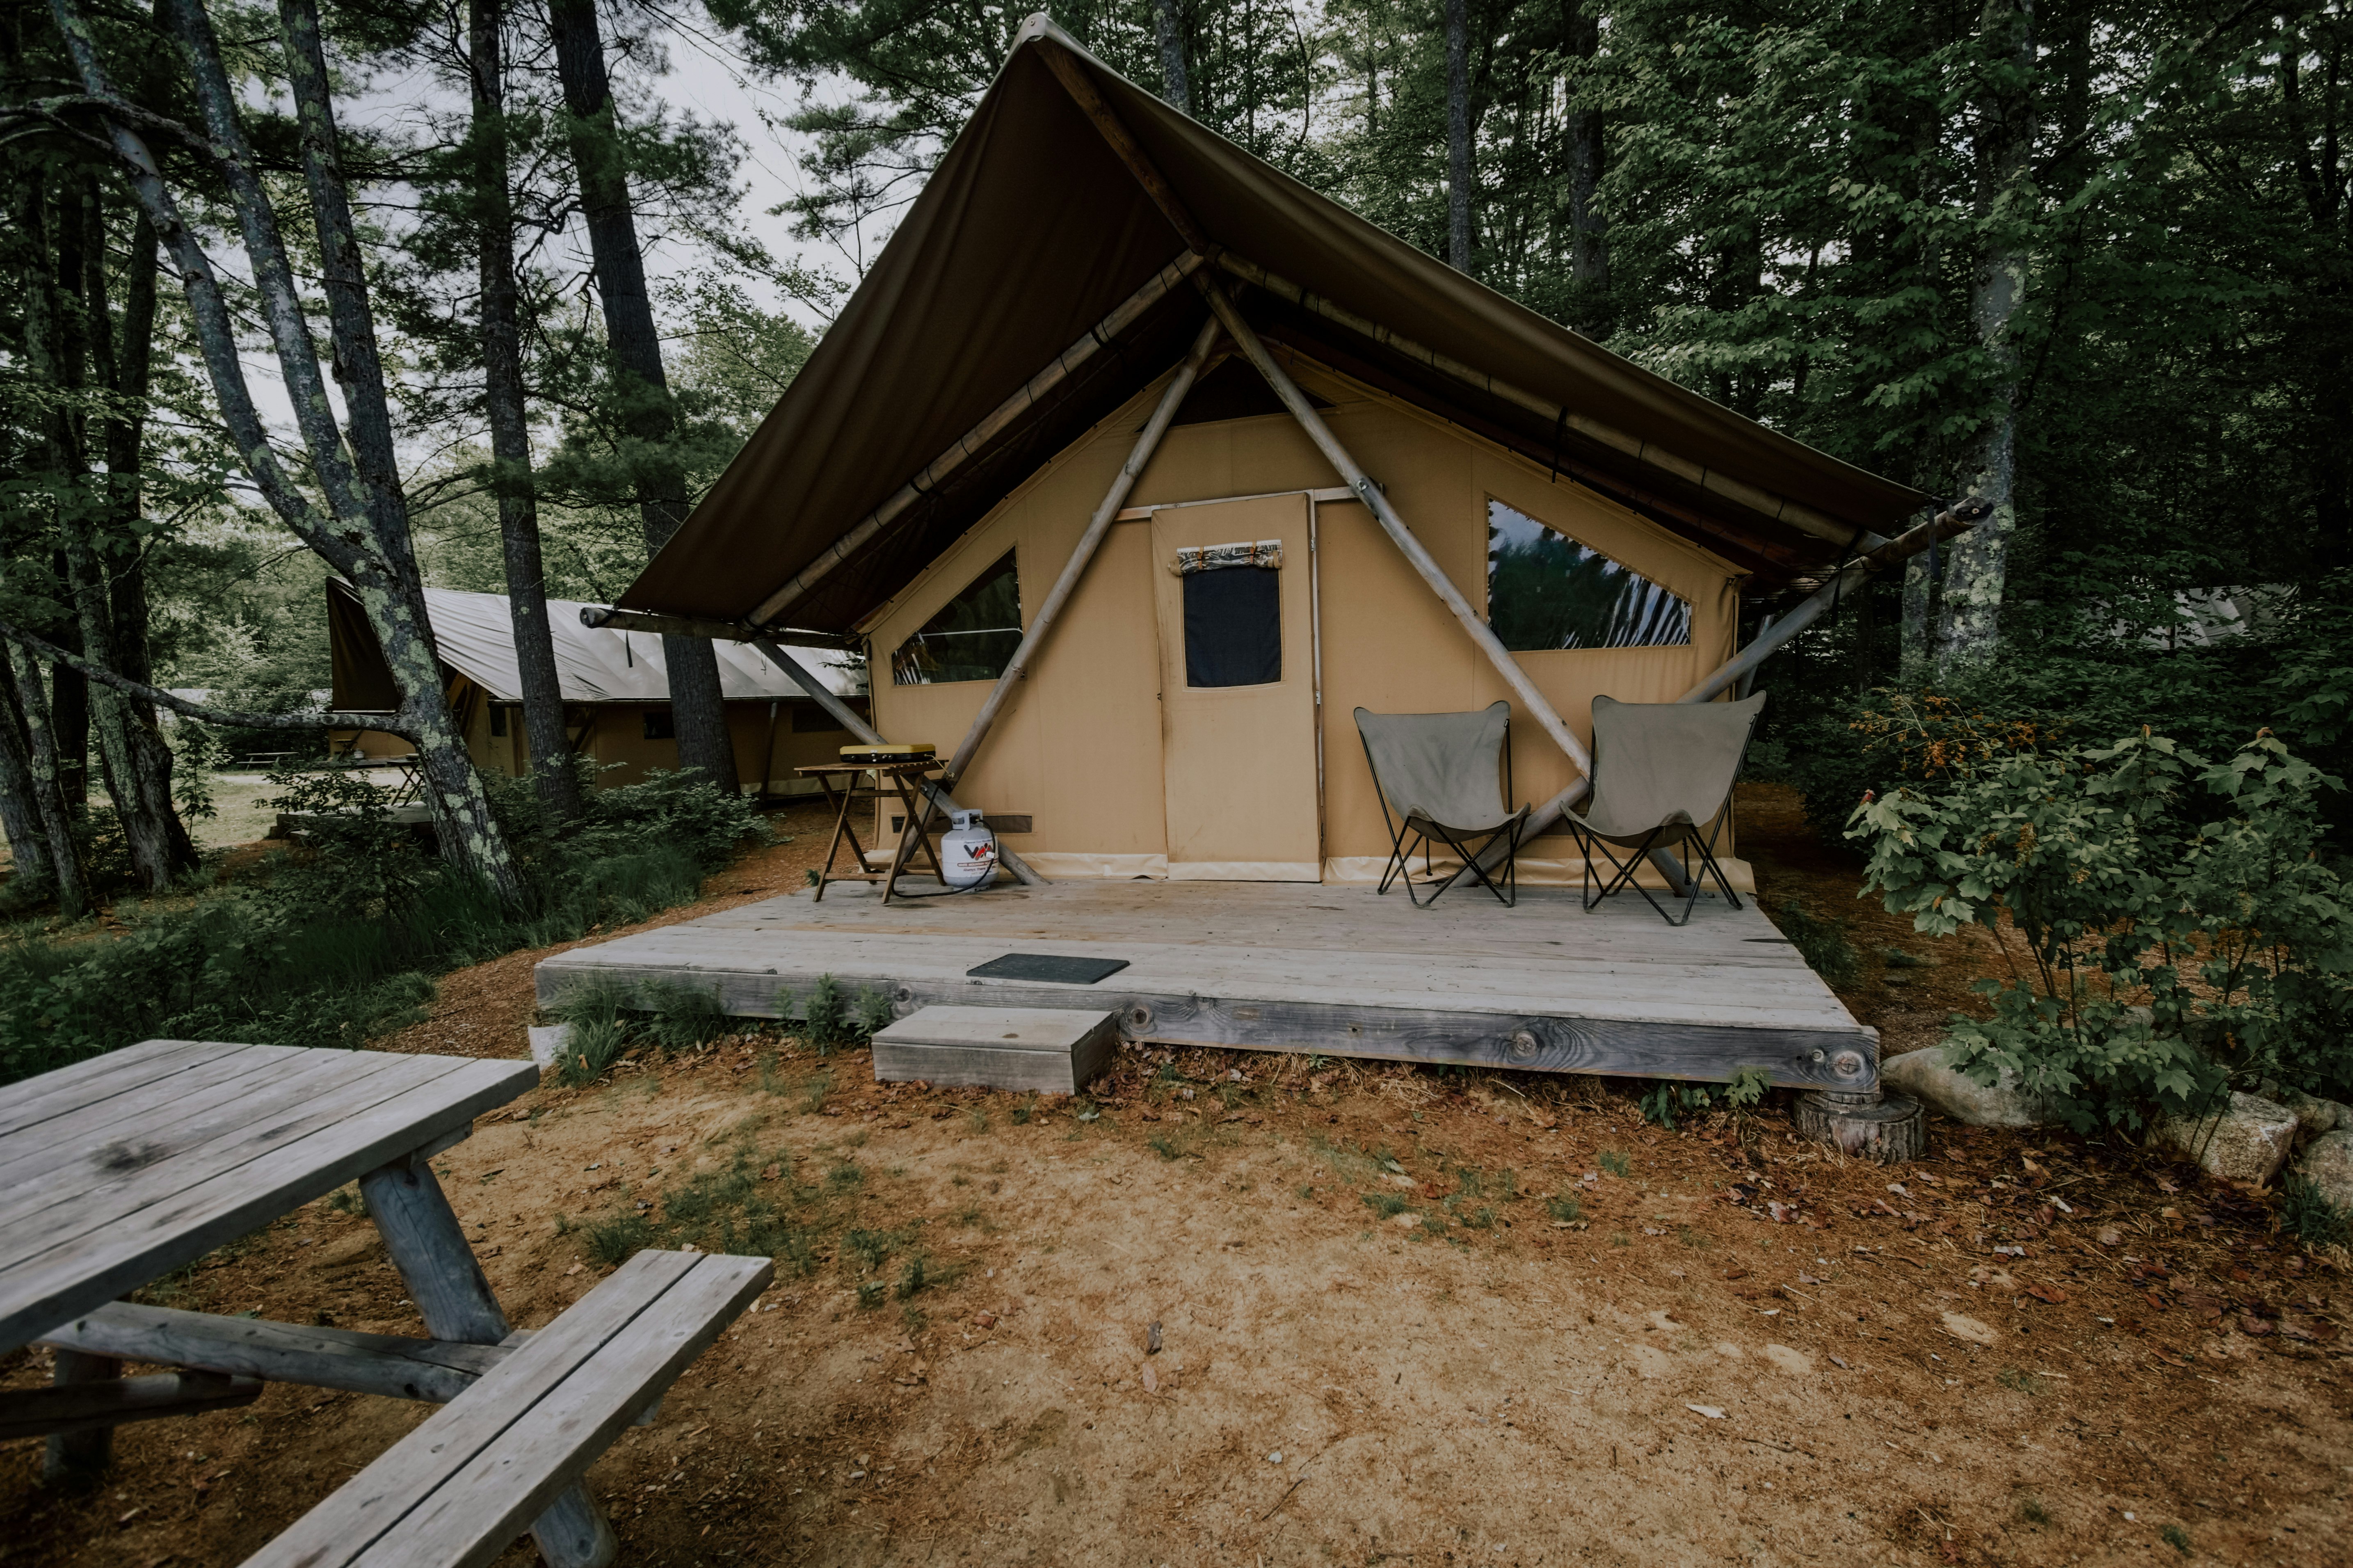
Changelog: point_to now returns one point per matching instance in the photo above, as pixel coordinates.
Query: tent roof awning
(1032, 230)
(474, 634)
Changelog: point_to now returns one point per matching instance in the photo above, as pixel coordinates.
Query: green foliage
(334, 943)
(1565, 1207)
(2172, 924)
(615, 1240)
(684, 1017)
(831, 1021)
(2306, 1213)
(1615, 1162)
(2173, 1535)
(1388, 1206)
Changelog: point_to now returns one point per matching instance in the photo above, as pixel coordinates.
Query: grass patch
(2030, 1510)
(617, 1240)
(1566, 1207)
(2020, 1381)
(2314, 1219)
(2176, 1537)
(1388, 1205)
(1616, 1163)
(1023, 1112)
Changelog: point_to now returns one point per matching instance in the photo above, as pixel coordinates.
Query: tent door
(1237, 695)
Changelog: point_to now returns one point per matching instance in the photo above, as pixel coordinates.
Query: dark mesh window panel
(1547, 591)
(973, 637)
(1233, 627)
(659, 726)
(810, 719)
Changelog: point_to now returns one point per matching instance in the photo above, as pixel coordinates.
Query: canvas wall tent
(1544, 521)
(615, 694)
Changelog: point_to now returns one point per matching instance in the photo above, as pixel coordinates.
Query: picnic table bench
(118, 1169)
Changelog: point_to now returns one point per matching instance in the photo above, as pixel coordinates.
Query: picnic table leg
(454, 1297)
(78, 1459)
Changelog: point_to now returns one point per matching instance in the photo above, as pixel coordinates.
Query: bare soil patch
(1480, 1318)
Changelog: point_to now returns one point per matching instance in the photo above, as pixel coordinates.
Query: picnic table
(116, 1171)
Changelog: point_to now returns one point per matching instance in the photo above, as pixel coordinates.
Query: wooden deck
(1301, 967)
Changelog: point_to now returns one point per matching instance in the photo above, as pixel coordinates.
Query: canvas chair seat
(1437, 775)
(1663, 777)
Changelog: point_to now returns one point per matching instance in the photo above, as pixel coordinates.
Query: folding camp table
(904, 778)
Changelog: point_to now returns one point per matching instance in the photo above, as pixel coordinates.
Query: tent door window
(1233, 627)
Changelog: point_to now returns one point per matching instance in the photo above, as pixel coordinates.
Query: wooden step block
(1051, 1049)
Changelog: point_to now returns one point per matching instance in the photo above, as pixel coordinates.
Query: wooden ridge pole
(1538, 706)
(962, 450)
(1106, 513)
(849, 718)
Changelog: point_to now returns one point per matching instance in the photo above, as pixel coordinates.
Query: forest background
(472, 294)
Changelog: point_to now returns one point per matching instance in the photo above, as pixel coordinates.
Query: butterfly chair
(1663, 774)
(1436, 774)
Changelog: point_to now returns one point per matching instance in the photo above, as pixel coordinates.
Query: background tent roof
(1031, 230)
(475, 636)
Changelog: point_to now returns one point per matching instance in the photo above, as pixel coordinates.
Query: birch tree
(341, 497)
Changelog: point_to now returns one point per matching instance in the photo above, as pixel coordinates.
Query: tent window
(499, 720)
(1233, 627)
(971, 639)
(659, 724)
(1547, 591)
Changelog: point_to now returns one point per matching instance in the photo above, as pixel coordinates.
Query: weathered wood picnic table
(116, 1171)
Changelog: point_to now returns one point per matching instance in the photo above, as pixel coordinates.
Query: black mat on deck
(1048, 966)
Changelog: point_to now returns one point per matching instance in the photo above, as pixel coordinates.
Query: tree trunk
(1588, 242)
(1975, 577)
(1175, 86)
(20, 810)
(128, 371)
(138, 764)
(48, 798)
(696, 705)
(1919, 614)
(1458, 135)
(502, 394)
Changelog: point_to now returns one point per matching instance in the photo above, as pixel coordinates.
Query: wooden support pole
(1961, 518)
(78, 1456)
(1059, 370)
(67, 1411)
(1147, 442)
(437, 1265)
(393, 1366)
(848, 717)
(1538, 706)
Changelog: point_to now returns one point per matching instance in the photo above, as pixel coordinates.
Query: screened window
(1233, 627)
(1547, 591)
(971, 639)
(658, 723)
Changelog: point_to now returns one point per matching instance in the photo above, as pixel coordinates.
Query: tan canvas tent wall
(1110, 778)
(615, 692)
(980, 390)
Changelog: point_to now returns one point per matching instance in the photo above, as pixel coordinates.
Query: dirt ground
(1625, 1344)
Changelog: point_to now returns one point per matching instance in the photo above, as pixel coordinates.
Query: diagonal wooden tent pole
(1962, 517)
(848, 718)
(1254, 348)
(1106, 513)
(1121, 318)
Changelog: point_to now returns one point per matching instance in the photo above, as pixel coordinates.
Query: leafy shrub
(336, 941)
(2171, 924)
(830, 1020)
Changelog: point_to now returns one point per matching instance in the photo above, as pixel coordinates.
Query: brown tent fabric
(1031, 230)
(361, 681)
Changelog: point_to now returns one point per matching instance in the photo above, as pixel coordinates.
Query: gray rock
(2314, 1116)
(548, 1042)
(1929, 1077)
(2246, 1141)
(2327, 1163)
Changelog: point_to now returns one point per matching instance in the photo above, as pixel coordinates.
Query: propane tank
(967, 850)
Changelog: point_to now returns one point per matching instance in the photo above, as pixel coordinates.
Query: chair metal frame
(1625, 870)
(1400, 867)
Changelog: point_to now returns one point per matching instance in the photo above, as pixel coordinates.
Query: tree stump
(1875, 1126)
